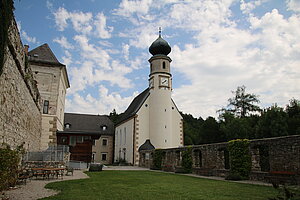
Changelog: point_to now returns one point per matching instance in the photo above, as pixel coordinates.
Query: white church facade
(152, 120)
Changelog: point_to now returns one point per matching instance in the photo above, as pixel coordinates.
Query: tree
(242, 104)
(192, 128)
(113, 116)
(293, 111)
(238, 128)
(272, 123)
(211, 131)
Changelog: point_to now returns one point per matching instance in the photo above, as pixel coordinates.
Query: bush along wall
(240, 159)
(187, 160)
(157, 159)
(9, 162)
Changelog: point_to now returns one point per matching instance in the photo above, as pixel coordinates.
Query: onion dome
(160, 46)
(146, 146)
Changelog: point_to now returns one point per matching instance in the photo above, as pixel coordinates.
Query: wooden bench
(282, 177)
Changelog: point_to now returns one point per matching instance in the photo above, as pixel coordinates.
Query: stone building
(52, 81)
(90, 137)
(152, 120)
(20, 115)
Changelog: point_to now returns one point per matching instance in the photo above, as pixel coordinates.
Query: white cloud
(67, 59)
(102, 105)
(125, 51)
(63, 42)
(61, 16)
(248, 7)
(219, 57)
(81, 21)
(293, 5)
(24, 35)
(266, 59)
(101, 29)
(91, 52)
(129, 7)
(28, 38)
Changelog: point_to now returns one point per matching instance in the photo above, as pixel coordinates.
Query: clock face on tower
(164, 81)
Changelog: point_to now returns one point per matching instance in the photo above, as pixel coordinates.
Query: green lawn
(144, 185)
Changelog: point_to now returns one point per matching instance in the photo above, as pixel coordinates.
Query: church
(152, 120)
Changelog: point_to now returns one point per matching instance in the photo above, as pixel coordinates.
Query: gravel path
(35, 189)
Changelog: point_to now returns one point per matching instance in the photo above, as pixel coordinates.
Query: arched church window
(164, 65)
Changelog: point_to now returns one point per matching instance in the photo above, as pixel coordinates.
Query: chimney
(26, 47)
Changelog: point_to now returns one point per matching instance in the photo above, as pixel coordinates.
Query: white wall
(142, 127)
(124, 141)
(177, 127)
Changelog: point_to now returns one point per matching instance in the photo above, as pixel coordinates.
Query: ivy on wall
(187, 160)
(157, 159)
(240, 159)
(6, 15)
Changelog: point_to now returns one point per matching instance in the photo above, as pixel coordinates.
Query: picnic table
(47, 172)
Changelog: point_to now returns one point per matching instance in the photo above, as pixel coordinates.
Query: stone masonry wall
(20, 116)
(280, 154)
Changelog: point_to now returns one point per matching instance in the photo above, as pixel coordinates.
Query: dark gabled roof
(146, 146)
(43, 54)
(134, 107)
(88, 124)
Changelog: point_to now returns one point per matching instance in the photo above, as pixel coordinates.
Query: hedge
(240, 159)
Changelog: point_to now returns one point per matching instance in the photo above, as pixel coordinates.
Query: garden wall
(20, 116)
(271, 154)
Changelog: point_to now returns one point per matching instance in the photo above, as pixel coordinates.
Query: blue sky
(217, 45)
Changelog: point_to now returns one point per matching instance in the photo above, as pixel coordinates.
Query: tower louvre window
(164, 65)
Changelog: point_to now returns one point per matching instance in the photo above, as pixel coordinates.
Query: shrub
(187, 160)
(157, 159)
(9, 161)
(240, 159)
(233, 177)
(95, 167)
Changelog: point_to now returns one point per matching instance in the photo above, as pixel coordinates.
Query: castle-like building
(152, 120)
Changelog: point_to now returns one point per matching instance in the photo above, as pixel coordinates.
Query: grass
(147, 185)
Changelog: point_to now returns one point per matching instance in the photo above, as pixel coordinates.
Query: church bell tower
(160, 86)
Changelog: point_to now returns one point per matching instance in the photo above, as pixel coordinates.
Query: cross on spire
(159, 31)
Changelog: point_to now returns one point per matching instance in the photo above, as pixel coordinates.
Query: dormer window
(67, 126)
(103, 127)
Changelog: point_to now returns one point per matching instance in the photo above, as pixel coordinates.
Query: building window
(124, 135)
(93, 142)
(103, 127)
(64, 140)
(72, 141)
(104, 142)
(103, 156)
(116, 140)
(46, 107)
(87, 138)
(79, 139)
(93, 156)
(120, 137)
